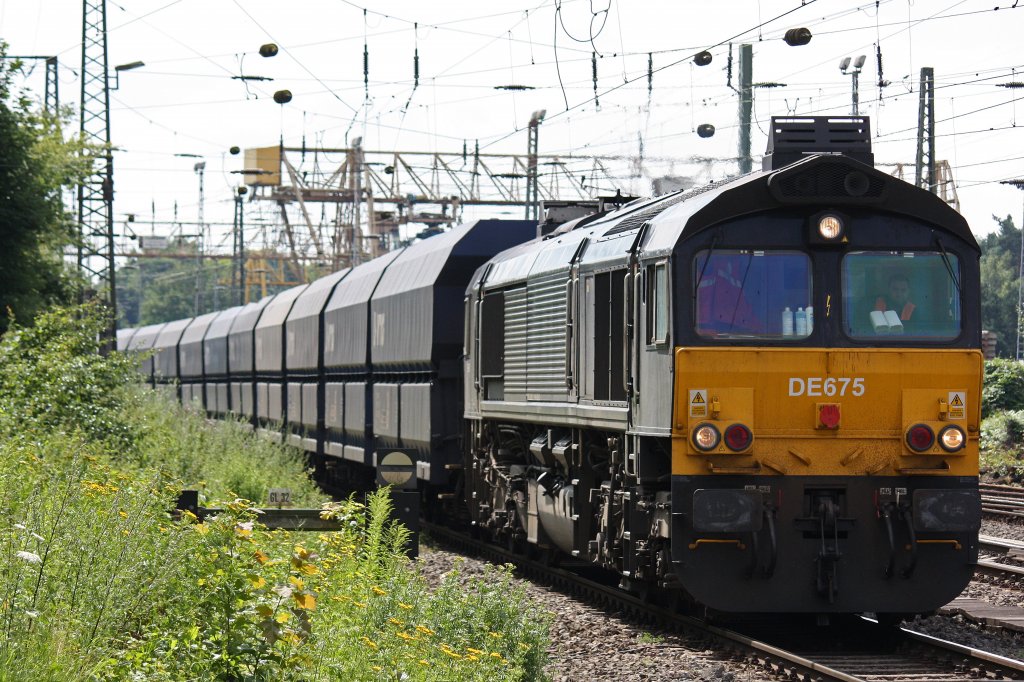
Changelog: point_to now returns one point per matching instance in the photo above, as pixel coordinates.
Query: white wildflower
(39, 537)
(32, 614)
(20, 526)
(30, 557)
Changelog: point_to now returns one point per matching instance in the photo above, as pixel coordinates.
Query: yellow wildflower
(404, 606)
(424, 629)
(368, 642)
(473, 651)
(377, 590)
(395, 621)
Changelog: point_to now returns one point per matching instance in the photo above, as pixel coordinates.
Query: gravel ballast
(588, 643)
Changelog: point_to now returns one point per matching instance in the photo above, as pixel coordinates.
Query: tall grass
(97, 581)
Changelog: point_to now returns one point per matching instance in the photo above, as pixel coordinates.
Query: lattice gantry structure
(376, 193)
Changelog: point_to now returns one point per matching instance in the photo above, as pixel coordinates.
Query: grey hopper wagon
(269, 335)
(304, 363)
(242, 359)
(215, 362)
(191, 363)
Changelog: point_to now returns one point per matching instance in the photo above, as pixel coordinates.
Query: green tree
(152, 290)
(1000, 281)
(37, 163)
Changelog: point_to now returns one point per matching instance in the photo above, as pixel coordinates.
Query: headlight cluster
(706, 437)
(921, 437)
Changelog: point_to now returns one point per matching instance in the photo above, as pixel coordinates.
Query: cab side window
(657, 303)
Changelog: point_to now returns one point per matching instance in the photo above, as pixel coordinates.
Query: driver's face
(899, 292)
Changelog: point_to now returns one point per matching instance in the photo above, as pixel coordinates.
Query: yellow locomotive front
(827, 479)
(826, 398)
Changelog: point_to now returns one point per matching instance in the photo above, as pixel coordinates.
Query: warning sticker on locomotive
(957, 404)
(698, 403)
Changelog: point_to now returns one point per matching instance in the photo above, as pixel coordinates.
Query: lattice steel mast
(96, 192)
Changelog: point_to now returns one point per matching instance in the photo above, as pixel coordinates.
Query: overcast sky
(185, 101)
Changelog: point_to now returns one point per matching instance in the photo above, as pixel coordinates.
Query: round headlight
(952, 438)
(920, 437)
(830, 227)
(738, 437)
(706, 437)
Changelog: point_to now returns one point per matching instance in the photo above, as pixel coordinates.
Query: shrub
(97, 581)
(52, 377)
(1004, 386)
(223, 459)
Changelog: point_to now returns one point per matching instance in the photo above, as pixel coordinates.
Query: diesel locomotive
(762, 394)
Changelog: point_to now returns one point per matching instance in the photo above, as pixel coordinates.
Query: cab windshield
(753, 294)
(901, 294)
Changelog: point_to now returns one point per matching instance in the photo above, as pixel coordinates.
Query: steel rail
(777, 659)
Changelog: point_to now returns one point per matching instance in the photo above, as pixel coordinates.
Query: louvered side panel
(515, 343)
(546, 339)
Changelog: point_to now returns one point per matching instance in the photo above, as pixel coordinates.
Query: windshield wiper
(949, 266)
(703, 269)
(739, 292)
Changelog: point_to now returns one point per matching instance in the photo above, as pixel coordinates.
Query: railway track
(853, 650)
(992, 565)
(1002, 500)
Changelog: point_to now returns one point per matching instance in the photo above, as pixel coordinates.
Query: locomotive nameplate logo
(957, 404)
(699, 403)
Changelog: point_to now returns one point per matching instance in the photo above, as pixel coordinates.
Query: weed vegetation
(1002, 424)
(98, 581)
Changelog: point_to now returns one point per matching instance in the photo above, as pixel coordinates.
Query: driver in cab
(897, 298)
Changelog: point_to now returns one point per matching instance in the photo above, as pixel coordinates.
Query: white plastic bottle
(809, 311)
(787, 322)
(800, 322)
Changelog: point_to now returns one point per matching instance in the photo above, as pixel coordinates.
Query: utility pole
(96, 193)
(354, 244)
(532, 186)
(1019, 184)
(925, 165)
(238, 250)
(746, 92)
(199, 168)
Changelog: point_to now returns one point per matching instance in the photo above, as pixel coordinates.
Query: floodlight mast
(854, 72)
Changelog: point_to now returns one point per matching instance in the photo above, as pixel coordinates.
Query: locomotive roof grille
(828, 180)
(795, 137)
